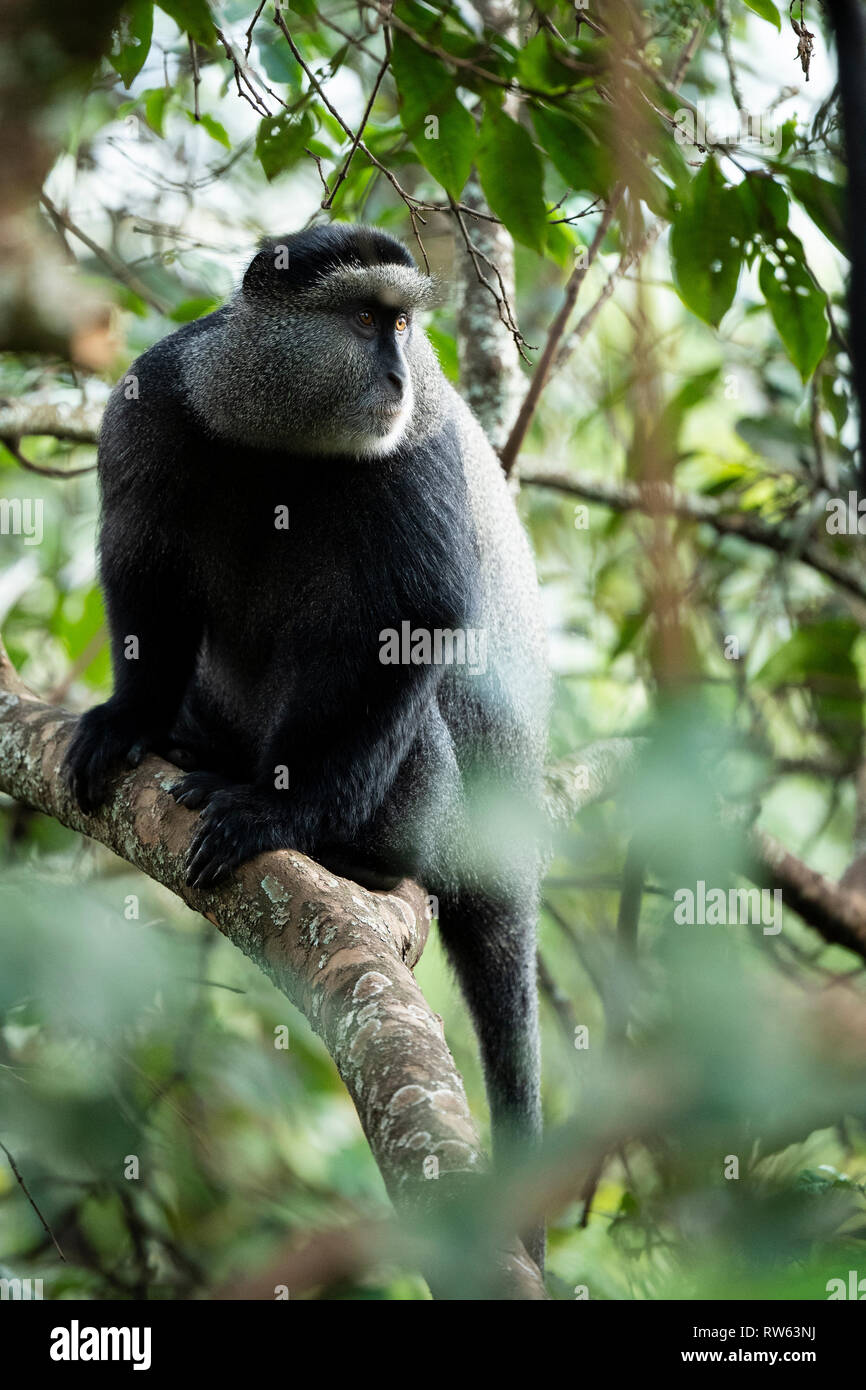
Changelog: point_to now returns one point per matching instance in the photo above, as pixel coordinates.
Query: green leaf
(280, 142)
(278, 63)
(538, 65)
(574, 150)
(155, 103)
(131, 40)
(632, 624)
(765, 205)
(767, 10)
(439, 126)
(694, 390)
(835, 401)
(818, 659)
(797, 305)
(562, 244)
(214, 129)
(707, 245)
(446, 350)
(822, 200)
(192, 17)
(196, 308)
(512, 178)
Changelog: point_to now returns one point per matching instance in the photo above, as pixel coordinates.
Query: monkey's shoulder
(148, 423)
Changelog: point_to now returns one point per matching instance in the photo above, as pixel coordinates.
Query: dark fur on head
(306, 258)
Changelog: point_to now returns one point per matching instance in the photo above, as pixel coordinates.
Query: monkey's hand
(238, 823)
(106, 737)
(196, 789)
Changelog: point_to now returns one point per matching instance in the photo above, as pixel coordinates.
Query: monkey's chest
(287, 579)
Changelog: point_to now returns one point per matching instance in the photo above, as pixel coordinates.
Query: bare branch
(43, 468)
(662, 499)
(630, 258)
(364, 119)
(114, 264)
(26, 1190)
(79, 423)
(514, 442)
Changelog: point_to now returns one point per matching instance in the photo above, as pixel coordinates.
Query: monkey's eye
(402, 323)
(365, 318)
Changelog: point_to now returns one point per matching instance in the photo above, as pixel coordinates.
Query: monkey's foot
(238, 823)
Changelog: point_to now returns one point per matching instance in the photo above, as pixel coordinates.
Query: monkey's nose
(397, 380)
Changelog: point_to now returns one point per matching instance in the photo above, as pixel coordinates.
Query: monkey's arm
(154, 619)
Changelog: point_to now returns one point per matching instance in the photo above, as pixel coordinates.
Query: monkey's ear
(268, 274)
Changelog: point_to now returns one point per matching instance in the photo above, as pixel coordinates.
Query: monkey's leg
(490, 941)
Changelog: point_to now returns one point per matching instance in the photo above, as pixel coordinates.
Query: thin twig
(584, 324)
(245, 77)
(688, 53)
(500, 297)
(26, 1190)
(44, 469)
(663, 499)
(196, 77)
(118, 268)
(253, 23)
(318, 160)
(724, 21)
(514, 442)
(413, 204)
(364, 119)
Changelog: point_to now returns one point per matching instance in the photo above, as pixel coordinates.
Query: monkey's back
(510, 604)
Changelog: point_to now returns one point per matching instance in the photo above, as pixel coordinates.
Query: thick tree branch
(77, 423)
(836, 913)
(342, 954)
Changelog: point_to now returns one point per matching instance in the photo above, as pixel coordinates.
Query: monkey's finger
(212, 874)
(207, 871)
(94, 788)
(136, 753)
(220, 807)
(198, 788)
(192, 797)
(204, 853)
(217, 818)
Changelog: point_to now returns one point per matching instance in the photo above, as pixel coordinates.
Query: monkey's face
(372, 359)
(361, 321)
(334, 365)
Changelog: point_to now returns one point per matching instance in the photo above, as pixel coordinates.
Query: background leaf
(131, 43)
(427, 89)
(798, 306)
(511, 175)
(707, 245)
(281, 141)
(767, 10)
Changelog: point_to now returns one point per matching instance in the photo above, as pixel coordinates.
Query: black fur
(259, 647)
(313, 253)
